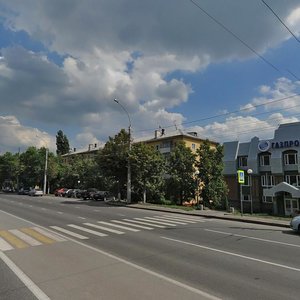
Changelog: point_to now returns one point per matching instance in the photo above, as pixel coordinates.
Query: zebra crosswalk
(103, 228)
(35, 236)
(26, 237)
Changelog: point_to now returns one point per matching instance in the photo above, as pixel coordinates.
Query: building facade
(164, 141)
(271, 172)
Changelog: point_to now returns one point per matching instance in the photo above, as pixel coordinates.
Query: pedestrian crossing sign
(241, 176)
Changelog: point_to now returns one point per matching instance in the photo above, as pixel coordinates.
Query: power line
(279, 19)
(225, 114)
(236, 36)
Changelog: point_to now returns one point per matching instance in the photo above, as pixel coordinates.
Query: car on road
(35, 192)
(295, 223)
(101, 195)
(23, 191)
(89, 193)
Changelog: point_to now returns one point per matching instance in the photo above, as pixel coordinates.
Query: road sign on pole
(241, 176)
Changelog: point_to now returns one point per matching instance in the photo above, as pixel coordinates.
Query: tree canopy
(62, 143)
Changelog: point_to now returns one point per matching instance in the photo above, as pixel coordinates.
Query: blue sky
(62, 64)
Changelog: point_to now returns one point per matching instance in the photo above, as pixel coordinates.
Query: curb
(239, 219)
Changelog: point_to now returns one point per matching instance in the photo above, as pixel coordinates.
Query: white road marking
(96, 210)
(81, 218)
(60, 212)
(233, 254)
(170, 221)
(152, 220)
(24, 278)
(176, 219)
(133, 225)
(49, 234)
(87, 230)
(79, 236)
(104, 228)
(26, 238)
(145, 223)
(190, 218)
(118, 226)
(253, 238)
(4, 245)
(77, 206)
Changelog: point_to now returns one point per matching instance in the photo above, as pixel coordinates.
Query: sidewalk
(207, 213)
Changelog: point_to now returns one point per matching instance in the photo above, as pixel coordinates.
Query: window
(267, 199)
(165, 145)
(242, 161)
(290, 158)
(193, 146)
(293, 179)
(267, 180)
(157, 147)
(248, 180)
(246, 197)
(265, 160)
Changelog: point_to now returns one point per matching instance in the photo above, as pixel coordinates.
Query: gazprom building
(271, 182)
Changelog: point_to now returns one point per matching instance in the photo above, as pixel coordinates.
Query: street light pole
(129, 147)
(250, 171)
(45, 173)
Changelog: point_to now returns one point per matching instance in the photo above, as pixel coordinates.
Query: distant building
(164, 141)
(273, 182)
(88, 153)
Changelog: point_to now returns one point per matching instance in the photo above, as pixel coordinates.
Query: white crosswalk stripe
(87, 230)
(4, 245)
(68, 232)
(145, 223)
(49, 234)
(170, 221)
(26, 238)
(133, 225)
(152, 220)
(104, 228)
(118, 226)
(171, 218)
(196, 219)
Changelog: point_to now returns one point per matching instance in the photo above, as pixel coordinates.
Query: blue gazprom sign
(285, 144)
(264, 146)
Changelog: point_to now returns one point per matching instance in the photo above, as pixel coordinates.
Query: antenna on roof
(175, 125)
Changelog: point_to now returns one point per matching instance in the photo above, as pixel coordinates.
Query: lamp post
(129, 147)
(249, 172)
(46, 167)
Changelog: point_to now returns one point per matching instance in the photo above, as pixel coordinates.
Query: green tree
(113, 158)
(210, 165)
(148, 167)
(182, 172)
(32, 163)
(62, 143)
(9, 168)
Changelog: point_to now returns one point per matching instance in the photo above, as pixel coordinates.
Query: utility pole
(129, 148)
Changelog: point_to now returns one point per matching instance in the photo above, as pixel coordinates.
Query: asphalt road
(143, 257)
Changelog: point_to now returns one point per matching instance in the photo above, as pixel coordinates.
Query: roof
(172, 134)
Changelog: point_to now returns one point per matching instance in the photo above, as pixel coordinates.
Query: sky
(226, 69)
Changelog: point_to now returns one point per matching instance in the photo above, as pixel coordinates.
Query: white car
(35, 192)
(295, 223)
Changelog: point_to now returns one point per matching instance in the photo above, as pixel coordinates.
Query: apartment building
(271, 172)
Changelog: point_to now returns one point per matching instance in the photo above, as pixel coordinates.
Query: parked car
(89, 193)
(61, 192)
(101, 195)
(35, 192)
(295, 223)
(23, 191)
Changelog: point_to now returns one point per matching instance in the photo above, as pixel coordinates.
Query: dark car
(101, 195)
(89, 193)
(23, 191)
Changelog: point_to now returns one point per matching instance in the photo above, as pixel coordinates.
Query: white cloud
(129, 51)
(14, 136)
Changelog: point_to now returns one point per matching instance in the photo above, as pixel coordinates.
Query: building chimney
(74, 149)
(156, 134)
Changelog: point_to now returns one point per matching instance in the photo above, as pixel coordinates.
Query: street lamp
(249, 172)
(129, 147)
(46, 167)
